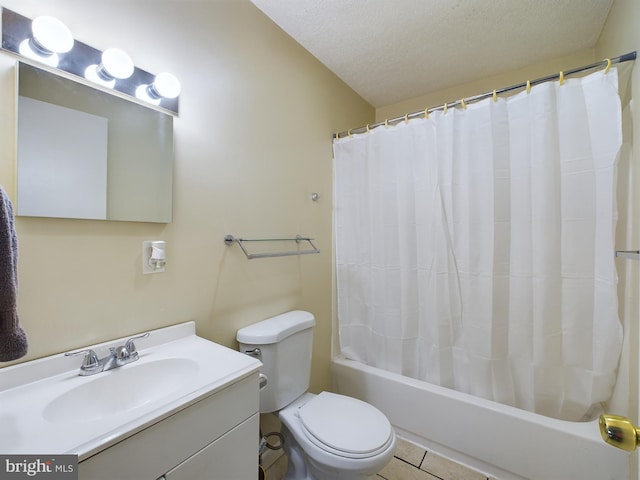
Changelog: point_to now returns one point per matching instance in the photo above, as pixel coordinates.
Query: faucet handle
(130, 346)
(90, 358)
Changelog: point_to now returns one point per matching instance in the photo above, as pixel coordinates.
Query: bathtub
(500, 441)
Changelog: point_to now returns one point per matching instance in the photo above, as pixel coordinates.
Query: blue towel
(13, 340)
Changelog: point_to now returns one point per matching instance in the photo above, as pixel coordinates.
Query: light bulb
(27, 50)
(91, 73)
(165, 85)
(142, 93)
(116, 64)
(50, 35)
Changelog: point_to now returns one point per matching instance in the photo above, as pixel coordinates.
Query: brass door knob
(619, 432)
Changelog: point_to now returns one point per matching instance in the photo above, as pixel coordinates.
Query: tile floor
(409, 463)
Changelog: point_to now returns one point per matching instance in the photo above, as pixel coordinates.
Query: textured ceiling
(393, 50)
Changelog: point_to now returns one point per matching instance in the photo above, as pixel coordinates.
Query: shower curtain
(475, 247)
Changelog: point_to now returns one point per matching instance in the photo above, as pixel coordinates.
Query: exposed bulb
(115, 65)
(50, 35)
(49, 38)
(165, 85)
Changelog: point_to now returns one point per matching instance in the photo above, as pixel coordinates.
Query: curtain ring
(426, 113)
(338, 136)
(406, 118)
(386, 123)
(561, 77)
(606, 70)
(495, 96)
(368, 129)
(464, 105)
(528, 86)
(349, 133)
(444, 110)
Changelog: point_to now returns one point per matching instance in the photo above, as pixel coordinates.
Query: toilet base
(301, 467)
(297, 466)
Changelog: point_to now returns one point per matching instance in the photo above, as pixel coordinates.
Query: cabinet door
(234, 456)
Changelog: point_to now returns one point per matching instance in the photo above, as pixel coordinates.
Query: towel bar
(230, 239)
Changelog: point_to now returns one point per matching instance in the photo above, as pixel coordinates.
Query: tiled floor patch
(410, 462)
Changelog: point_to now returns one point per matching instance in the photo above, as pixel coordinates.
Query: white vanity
(187, 408)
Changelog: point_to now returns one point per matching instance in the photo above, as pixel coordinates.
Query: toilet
(326, 436)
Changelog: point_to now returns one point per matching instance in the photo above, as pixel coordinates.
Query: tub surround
(498, 440)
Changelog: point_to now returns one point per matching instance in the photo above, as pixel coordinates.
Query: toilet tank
(285, 342)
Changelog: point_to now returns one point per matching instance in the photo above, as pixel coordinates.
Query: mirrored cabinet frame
(85, 154)
(132, 150)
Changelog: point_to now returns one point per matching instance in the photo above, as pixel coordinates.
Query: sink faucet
(117, 357)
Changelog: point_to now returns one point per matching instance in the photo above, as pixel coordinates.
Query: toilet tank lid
(276, 328)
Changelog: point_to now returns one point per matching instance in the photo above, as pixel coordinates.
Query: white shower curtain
(475, 248)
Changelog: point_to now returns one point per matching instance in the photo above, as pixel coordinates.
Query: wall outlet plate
(147, 267)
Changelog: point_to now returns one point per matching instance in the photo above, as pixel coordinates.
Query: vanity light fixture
(115, 65)
(49, 38)
(46, 40)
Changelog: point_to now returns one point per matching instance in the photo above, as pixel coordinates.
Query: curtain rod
(464, 101)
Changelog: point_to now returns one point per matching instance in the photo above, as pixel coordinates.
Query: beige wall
(495, 82)
(252, 142)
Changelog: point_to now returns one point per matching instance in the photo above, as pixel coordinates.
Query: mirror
(84, 153)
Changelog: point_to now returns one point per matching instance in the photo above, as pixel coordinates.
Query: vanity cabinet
(214, 438)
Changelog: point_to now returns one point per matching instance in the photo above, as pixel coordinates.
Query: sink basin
(122, 389)
(46, 406)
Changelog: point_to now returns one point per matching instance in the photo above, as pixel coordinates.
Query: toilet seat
(345, 426)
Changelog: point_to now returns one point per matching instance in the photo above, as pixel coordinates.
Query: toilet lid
(345, 425)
